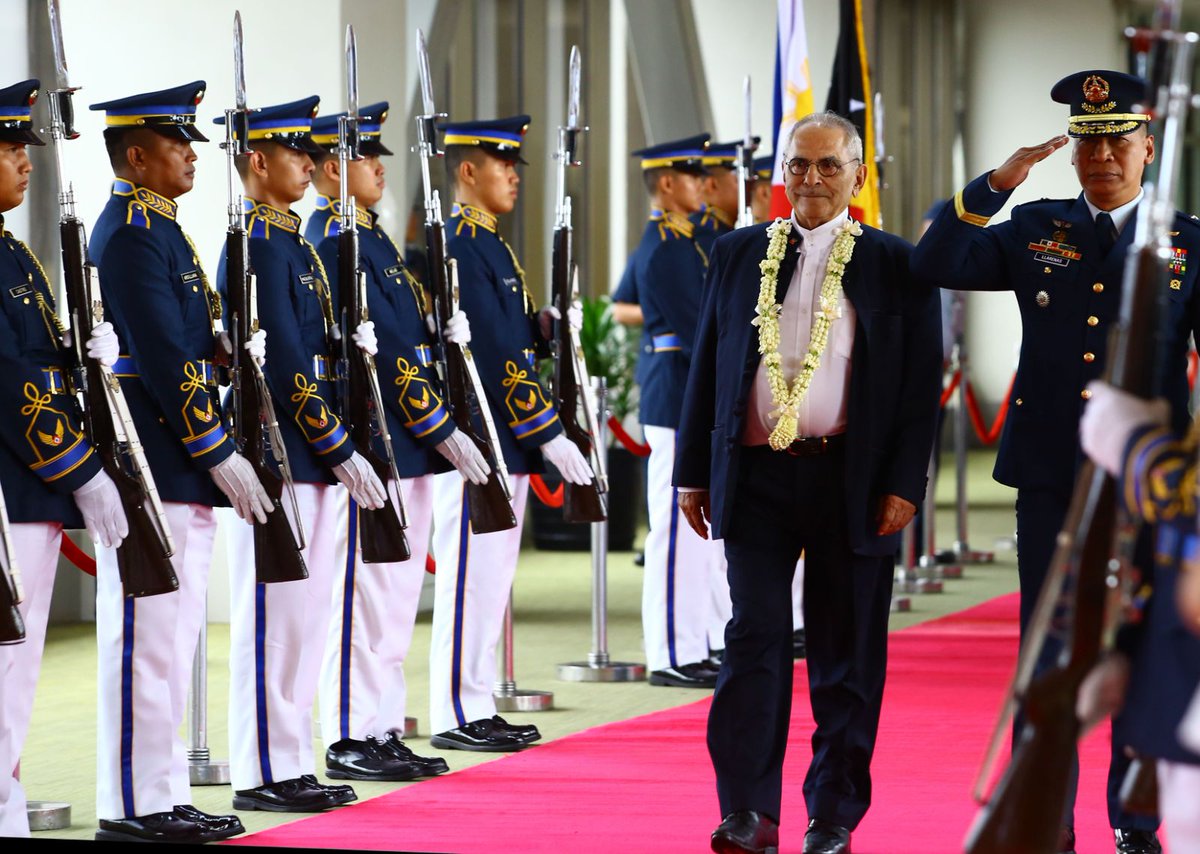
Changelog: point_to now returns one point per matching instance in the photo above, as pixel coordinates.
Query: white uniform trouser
(474, 578)
(677, 598)
(374, 608)
(798, 595)
(35, 545)
(144, 663)
(277, 638)
(1179, 805)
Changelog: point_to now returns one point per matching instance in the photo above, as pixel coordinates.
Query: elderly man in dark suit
(807, 424)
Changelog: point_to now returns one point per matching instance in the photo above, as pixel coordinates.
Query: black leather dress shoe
(430, 765)
(695, 675)
(528, 733)
(352, 759)
(481, 735)
(223, 825)
(295, 795)
(1136, 841)
(340, 794)
(155, 827)
(825, 837)
(799, 644)
(746, 831)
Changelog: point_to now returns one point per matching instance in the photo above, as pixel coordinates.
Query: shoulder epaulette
(137, 214)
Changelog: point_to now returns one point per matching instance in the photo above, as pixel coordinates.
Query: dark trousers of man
(1041, 514)
(784, 504)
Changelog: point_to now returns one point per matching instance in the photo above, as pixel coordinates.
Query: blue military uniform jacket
(44, 453)
(1069, 297)
(665, 275)
(417, 418)
(709, 225)
(157, 297)
(294, 309)
(505, 339)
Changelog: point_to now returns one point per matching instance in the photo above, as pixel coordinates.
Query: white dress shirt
(1120, 215)
(822, 412)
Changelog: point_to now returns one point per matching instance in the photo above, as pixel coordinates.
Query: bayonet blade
(239, 63)
(351, 72)
(426, 77)
(747, 134)
(56, 41)
(576, 67)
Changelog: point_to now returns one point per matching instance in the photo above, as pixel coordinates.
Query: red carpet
(646, 784)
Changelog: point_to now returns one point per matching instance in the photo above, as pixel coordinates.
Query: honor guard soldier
(363, 689)
(719, 212)
(277, 631)
(475, 571)
(1064, 261)
(50, 474)
(665, 275)
(760, 190)
(163, 309)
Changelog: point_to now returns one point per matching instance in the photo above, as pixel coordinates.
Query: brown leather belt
(813, 445)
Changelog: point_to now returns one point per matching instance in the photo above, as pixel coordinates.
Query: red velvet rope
(430, 564)
(1193, 365)
(631, 445)
(77, 556)
(550, 499)
(988, 435)
(949, 390)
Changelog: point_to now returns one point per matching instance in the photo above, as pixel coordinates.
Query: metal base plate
(901, 604)
(918, 586)
(969, 555)
(48, 815)
(209, 773)
(410, 727)
(614, 671)
(524, 701)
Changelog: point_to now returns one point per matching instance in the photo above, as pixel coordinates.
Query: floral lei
(767, 311)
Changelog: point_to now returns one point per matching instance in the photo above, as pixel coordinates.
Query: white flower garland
(767, 311)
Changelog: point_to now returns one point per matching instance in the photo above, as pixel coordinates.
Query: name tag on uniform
(394, 272)
(307, 278)
(1057, 260)
(512, 283)
(20, 291)
(190, 276)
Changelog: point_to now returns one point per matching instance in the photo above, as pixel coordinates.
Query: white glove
(226, 342)
(357, 476)
(237, 479)
(364, 337)
(562, 452)
(102, 346)
(1110, 418)
(464, 456)
(575, 316)
(458, 328)
(256, 346)
(100, 504)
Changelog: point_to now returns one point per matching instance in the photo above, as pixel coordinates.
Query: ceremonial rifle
(380, 532)
(745, 162)
(144, 556)
(253, 425)
(572, 385)
(1026, 809)
(489, 504)
(12, 627)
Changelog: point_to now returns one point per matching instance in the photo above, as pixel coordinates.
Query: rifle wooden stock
(12, 627)
(488, 504)
(277, 554)
(142, 562)
(581, 503)
(380, 532)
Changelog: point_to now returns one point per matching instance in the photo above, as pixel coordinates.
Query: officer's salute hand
(1015, 169)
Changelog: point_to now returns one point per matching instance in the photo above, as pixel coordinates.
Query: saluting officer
(46, 459)
(475, 571)
(163, 310)
(277, 631)
(363, 690)
(1064, 260)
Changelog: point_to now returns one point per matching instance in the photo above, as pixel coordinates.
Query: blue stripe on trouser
(671, 575)
(460, 592)
(127, 710)
(347, 622)
(260, 681)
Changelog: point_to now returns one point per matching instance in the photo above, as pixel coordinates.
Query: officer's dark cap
(682, 155)
(170, 112)
(289, 124)
(1102, 102)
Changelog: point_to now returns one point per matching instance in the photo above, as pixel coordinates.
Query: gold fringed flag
(850, 96)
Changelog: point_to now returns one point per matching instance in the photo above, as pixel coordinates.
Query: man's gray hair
(827, 119)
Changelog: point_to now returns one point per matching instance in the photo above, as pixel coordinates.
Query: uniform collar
(1120, 215)
(365, 218)
(675, 221)
(286, 220)
(719, 215)
(823, 233)
(159, 204)
(479, 217)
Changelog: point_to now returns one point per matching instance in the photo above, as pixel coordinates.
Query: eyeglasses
(827, 167)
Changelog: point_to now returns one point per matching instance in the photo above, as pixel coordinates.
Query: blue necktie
(1106, 232)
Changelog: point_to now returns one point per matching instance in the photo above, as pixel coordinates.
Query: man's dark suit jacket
(895, 378)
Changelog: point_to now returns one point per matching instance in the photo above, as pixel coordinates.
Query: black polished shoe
(695, 675)
(430, 765)
(528, 733)
(1066, 841)
(481, 735)
(352, 759)
(340, 794)
(224, 826)
(799, 644)
(155, 827)
(1136, 841)
(639, 559)
(746, 832)
(295, 795)
(825, 837)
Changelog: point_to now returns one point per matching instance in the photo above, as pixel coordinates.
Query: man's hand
(894, 513)
(1103, 690)
(1111, 417)
(697, 509)
(1015, 169)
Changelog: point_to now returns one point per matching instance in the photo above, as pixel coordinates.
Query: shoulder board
(1189, 220)
(1043, 201)
(136, 213)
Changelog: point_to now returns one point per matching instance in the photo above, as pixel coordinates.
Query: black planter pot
(625, 507)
